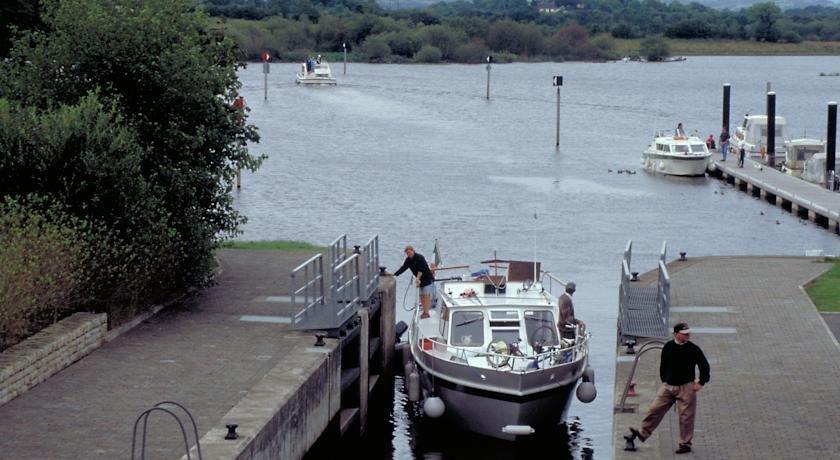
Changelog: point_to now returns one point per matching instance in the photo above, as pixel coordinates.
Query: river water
(415, 152)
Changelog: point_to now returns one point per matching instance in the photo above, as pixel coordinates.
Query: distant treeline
(509, 29)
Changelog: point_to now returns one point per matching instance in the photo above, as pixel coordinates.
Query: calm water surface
(414, 153)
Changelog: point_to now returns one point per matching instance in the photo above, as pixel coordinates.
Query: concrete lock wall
(283, 415)
(54, 348)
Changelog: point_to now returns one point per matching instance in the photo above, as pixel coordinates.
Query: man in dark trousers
(676, 369)
(568, 322)
(425, 278)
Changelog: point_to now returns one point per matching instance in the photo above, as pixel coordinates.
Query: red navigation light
(265, 56)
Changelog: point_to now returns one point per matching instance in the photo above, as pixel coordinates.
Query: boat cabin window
(698, 148)
(540, 327)
(681, 148)
(663, 147)
(468, 328)
(504, 325)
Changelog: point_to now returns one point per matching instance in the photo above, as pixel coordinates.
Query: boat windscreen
(681, 148)
(698, 148)
(540, 327)
(468, 328)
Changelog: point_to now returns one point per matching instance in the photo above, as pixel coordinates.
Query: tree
(763, 18)
(654, 49)
(157, 171)
(428, 54)
(376, 47)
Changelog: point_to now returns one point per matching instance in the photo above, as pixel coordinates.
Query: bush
(444, 38)
(473, 52)
(41, 271)
(654, 49)
(376, 48)
(428, 54)
(137, 136)
(402, 43)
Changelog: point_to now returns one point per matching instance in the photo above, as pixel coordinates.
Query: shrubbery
(119, 146)
(428, 54)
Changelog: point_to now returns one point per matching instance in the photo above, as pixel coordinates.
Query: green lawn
(825, 290)
(282, 245)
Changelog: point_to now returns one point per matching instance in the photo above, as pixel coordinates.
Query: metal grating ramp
(641, 317)
(642, 298)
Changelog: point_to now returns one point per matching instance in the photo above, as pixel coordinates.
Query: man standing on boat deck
(425, 278)
(568, 322)
(676, 369)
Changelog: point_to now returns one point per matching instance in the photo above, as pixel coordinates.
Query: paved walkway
(200, 354)
(775, 367)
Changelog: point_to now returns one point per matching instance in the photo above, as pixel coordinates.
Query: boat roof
(762, 119)
(806, 141)
(474, 293)
(679, 140)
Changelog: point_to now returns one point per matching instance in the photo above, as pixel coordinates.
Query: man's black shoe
(683, 449)
(636, 433)
(630, 445)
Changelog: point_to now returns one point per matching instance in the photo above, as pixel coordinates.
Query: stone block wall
(37, 358)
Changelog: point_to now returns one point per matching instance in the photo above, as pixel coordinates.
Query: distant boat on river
(315, 72)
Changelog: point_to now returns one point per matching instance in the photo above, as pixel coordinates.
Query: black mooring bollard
(771, 129)
(231, 434)
(831, 145)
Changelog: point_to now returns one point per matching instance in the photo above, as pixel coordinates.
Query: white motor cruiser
(798, 152)
(752, 135)
(490, 357)
(315, 72)
(676, 155)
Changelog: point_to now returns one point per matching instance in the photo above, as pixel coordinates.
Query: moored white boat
(315, 72)
(491, 358)
(752, 135)
(676, 155)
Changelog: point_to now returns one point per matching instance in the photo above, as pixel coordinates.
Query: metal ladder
(162, 407)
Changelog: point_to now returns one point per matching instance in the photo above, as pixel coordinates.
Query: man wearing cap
(676, 369)
(568, 322)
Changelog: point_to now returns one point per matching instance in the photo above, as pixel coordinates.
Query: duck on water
(491, 359)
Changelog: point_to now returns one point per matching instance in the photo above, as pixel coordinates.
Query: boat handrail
(579, 351)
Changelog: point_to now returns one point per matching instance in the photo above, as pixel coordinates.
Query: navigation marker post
(558, 82)
(344, 47)
(265, 57)
(489, 60)
(831, 146)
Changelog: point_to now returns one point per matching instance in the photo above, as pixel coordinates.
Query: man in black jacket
(425, 278)
(676, 369)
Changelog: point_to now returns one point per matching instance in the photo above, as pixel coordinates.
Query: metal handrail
(551, 280)
(338, 251)
(346, 285)
(370, 253)
(581, 351)
(663, 292)
(313, 282)
(663, 252)
(651, 345)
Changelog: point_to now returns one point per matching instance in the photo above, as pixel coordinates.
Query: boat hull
(675, 165)
(486, 412)
(313, 81)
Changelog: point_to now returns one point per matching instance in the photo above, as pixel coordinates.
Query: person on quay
(710, 142)
(568, 323)
(425, 279)
(724, 143)
(679, 133)
(741, 154)
(676, 369)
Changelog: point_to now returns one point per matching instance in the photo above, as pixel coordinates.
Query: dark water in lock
(415, 152)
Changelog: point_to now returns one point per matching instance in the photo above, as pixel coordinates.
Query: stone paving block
(773, 388)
